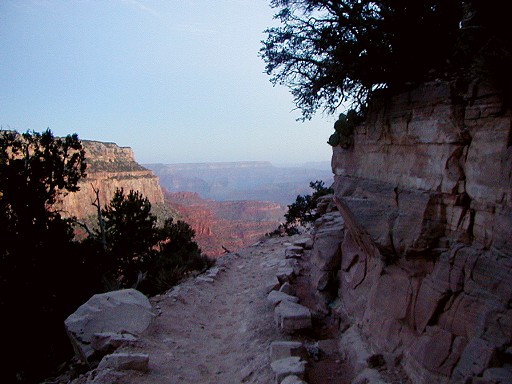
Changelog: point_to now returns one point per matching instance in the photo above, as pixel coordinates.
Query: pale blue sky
(176, 80)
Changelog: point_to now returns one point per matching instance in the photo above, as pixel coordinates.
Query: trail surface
(216, 330)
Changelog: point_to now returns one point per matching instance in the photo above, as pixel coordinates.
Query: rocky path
(216, 329)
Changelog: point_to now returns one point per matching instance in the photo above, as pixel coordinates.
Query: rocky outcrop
(421, 261)
(110, 167)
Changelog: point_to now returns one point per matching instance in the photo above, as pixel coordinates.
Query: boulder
(126, 311)
(291, 317)
(272, 285)
(326, 257)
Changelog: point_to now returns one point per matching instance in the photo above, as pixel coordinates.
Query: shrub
(303, 210)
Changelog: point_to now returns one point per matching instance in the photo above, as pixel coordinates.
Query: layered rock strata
(420, 258)
(225, 225)
(110, 167)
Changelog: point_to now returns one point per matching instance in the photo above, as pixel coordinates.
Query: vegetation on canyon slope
(303, 211)
(46, 273)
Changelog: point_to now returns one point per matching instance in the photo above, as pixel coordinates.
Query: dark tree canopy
(46, 273)
(130, 231)
(331, 51)
(39, 283)
(36, 169)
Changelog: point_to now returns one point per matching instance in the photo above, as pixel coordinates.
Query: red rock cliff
(221, 225)
(109, 167)
(421, 259)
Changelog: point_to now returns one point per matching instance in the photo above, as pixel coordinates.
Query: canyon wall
(418, 254)
(110, 167)
(221, 225)
(245, 180)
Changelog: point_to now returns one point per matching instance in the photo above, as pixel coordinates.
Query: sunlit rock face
(110, 167)
(425, 265)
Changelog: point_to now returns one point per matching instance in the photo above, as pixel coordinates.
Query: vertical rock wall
(110, 167)
(425, 267)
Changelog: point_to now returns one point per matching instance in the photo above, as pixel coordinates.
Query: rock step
(288, 366)
(276, 297)
(291, 317)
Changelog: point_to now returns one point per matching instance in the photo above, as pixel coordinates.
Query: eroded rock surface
(422, 262)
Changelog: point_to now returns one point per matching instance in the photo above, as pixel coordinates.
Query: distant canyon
(229, 205)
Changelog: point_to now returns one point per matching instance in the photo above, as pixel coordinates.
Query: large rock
(125, 311)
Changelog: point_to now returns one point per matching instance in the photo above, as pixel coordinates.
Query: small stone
(275, 297)
(125, 361)
(205, 279)
(287, 288)
(272, 285)
(288, 366)
(285, 274)
(106, 342)
(293, 379)
(283, 349)
(293, 252)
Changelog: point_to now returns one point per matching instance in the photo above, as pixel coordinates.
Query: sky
(178, 81)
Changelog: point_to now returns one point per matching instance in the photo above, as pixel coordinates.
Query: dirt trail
(218, 330)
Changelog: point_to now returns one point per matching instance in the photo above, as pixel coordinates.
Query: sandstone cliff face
(421, 255)
(109, 167)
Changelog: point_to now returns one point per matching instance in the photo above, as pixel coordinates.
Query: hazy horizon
(178, 82)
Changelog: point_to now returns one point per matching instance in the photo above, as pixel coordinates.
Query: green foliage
(344, 129)
(303, 210)
(334, 139)
(333, 51)
(35, 170)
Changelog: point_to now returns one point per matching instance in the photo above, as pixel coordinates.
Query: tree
(331, 51)
(303, 210)
(36, 169)
(178, 254)
(138, 253)
(38, 258)
(131, 235)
